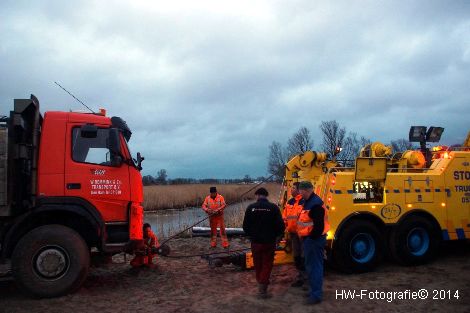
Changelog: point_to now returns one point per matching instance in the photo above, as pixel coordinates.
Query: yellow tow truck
(403, 204)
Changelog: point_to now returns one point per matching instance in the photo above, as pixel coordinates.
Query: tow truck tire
(414, 241)
(50, 261)
(358, 248)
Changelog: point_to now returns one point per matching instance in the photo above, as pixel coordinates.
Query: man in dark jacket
(263, 224)
(312, 226)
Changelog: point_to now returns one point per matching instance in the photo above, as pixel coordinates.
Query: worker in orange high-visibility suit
(150, 241)
(214, 205)
(290, 214)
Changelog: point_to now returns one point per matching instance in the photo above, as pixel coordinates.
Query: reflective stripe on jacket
(151, 240)
(213, 204)
(291, 213)
(305, 224)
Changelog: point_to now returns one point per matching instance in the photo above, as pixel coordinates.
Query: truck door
(90, 174)
(458, 197)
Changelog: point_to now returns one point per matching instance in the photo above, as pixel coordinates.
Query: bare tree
(333, 136)
(351, 148)
(276, 161)
(148, 180)
(364, 141)
(300, 142)
(161, 177)
(247, 179)
(401, 145)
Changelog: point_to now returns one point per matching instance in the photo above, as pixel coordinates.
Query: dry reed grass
(164, 197)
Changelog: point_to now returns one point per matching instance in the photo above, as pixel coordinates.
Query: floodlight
(434, 134)
(417, 134)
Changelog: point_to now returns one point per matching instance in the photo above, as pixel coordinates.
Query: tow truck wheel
(414, 241)
(50, 261)
(359, 247)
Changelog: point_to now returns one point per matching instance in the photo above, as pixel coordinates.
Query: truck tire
(50, 261)
(414, 241)
(358, 248)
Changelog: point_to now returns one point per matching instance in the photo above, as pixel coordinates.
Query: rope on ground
(204, 254)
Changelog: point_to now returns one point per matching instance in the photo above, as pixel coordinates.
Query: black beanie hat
(262, 192)
(212, 189)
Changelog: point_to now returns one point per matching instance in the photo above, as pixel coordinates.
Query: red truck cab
(71, 186)
(77, 165)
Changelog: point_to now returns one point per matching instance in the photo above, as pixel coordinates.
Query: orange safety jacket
(213, 204)
(151, 240)
(305, 223)
(291, 213)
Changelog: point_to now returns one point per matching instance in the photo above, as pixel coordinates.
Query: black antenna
(74, 97)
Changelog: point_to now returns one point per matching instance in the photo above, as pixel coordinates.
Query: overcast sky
(206, 86)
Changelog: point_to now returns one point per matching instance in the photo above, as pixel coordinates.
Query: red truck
(68, 185)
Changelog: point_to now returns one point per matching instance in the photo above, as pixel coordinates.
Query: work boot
(263, 292)
(298, 283)
(136, 262)
(311, 301)
(108, 259)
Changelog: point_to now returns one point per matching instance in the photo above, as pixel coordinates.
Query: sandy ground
(189, 285)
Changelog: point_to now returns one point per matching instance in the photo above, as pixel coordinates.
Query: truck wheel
(50, 261)
(359, 247)
(414, 241)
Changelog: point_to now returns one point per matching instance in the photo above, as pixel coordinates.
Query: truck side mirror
(89, 131)
(140, 158)
(114, 145)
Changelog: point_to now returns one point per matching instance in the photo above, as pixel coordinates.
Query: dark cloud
(206, 87)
